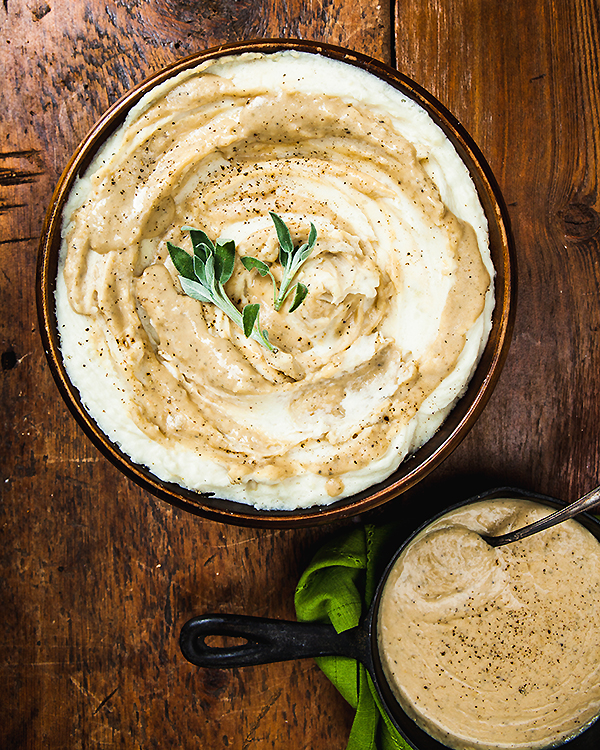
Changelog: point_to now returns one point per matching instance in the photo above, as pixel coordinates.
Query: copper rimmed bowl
(460, 419)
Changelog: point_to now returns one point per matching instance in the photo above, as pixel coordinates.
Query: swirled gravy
(400, 281)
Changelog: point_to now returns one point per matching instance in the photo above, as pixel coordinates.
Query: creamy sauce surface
(400, 285)
(495, 648)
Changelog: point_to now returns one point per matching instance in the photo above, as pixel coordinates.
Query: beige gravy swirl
(399, 303)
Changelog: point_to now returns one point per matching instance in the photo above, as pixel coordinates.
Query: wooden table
(98, 576)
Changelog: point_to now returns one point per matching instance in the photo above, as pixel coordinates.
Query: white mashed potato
(400, 282)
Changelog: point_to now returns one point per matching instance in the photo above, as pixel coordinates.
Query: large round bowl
(457, 424)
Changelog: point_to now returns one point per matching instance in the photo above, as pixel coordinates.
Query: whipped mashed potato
(495, 647)
(400, 280)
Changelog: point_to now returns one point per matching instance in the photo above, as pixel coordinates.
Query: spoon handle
(587, 502)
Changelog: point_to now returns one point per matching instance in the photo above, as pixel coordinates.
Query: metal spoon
(587, 502)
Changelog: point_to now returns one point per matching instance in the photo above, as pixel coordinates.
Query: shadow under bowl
(459, 421)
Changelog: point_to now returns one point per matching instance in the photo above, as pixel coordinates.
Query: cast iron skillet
(280, 640)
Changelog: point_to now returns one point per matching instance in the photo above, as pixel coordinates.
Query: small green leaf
(200, 238)
(224, 260)
(202, 252)
(312, 236)
(194, 290)
(286, 244)
(249, 316)
(199, 269)
(301, 255)
(303, 252)
(209, 271)
(181, 260)
(291, 260)
(299, 296)
(250, 263)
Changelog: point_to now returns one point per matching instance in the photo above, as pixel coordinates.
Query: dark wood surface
(97, 576)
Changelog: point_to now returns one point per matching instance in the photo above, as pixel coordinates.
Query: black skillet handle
(266, 641)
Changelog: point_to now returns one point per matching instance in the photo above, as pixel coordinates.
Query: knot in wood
(9, 359)
(579, 221)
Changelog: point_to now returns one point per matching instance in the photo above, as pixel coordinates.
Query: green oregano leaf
(286, 243)
(249, 317)
(250, 263)
(299, 296)
(224, 260)
(181, 260)
(194, 290)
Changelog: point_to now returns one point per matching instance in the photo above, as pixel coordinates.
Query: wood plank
(97, 576)
(523, 78)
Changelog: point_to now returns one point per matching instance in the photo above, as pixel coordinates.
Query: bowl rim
(459, 420)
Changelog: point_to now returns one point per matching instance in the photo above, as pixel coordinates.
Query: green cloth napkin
(337, 588)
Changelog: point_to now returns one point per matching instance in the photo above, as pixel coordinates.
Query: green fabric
(337, 588)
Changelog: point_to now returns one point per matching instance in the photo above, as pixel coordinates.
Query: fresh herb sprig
(292, 259)
(203, 274)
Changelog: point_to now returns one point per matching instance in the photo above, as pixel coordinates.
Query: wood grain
(98, 576)
(524, 79)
